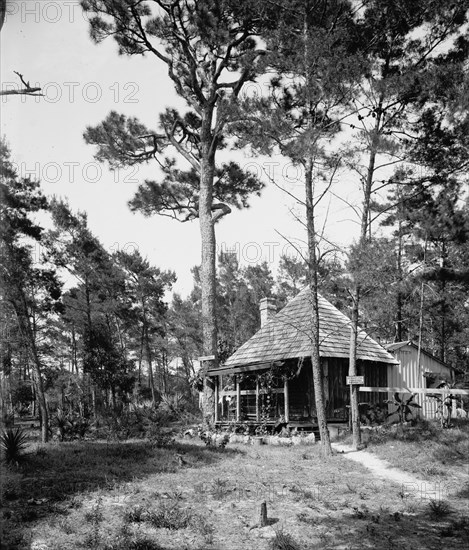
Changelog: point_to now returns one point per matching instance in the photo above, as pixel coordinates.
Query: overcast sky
(48, 43)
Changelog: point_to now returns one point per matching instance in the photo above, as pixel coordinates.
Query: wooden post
(263, 517)
(217, 384)
(286, 399)
(238, 399)
(258, 416)
(224, 416)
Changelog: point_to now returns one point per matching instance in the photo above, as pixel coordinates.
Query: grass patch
(138, 496)
(61, 470)
(424, 448)
(456, 528)
(144, 543)
(165, 516)
(284, 541)
(306, 518)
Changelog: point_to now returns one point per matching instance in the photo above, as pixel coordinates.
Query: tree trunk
(112, 395)
(365, 235)
(93, 400)
(34, 407)
(208, 270)
(318, 377)
(422, 299)
(140, 359)
(319, 396)
(443, 307)
(399, 298)
(2, 399)
(164, 371)
(74, 352)
(148, 353)
(354, 410)
(27, 330)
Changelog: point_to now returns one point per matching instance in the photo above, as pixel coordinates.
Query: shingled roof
(288, 336)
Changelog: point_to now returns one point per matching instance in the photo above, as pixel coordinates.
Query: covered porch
(266, 394)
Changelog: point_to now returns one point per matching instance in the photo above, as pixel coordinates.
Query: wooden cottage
(430, 372)
(270, 375)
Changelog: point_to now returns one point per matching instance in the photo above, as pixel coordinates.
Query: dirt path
(410, 485)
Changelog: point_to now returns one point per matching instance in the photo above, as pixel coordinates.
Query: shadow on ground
(364, 528)
(57, 471)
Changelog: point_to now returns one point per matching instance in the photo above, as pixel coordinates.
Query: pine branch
(27, 90)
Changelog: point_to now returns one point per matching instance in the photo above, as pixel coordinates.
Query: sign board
(207, 358)
(355, 380)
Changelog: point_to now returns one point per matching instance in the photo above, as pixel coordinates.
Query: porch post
(217, 384)
(258, 416)
(286, 398)
(238, 399)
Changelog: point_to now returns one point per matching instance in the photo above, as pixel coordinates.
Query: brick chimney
(268, 310)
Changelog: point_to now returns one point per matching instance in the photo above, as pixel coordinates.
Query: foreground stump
(263, 515)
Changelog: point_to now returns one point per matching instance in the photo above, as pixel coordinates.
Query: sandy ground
(383, 470)
(356, 501)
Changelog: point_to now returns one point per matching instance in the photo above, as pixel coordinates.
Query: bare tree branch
(27, 90)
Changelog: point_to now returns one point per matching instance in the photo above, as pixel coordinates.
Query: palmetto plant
(13, 443)
(173, 402)
(62, 423)
(404, 407)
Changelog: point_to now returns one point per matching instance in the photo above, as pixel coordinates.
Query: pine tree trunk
(354, 410)
(318, 378)
(24, 322)
(2, 399)
(93, 401)
(399, 321)
(74, 351)
(140, 359)
(443, 308)
(365, 233)
(319, 396)
(34, 407)
(150, 365)
(208, 270)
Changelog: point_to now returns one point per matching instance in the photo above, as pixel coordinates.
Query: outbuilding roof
(396, 346)
(288, 336)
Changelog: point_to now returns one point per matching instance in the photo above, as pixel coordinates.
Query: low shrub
(372, 414)
(10, 486)
(14, 443)
(170, 516)
(137, 423)
(439, 508)
(457, 527)
(95, 517)
(70, 426)
(139, 543)
(166, 516)
(214, 439)
(284, 541)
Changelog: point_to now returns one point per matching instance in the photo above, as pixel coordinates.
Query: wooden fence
(431, 405)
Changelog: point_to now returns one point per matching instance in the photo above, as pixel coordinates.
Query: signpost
(355, 380)
(207, 358)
